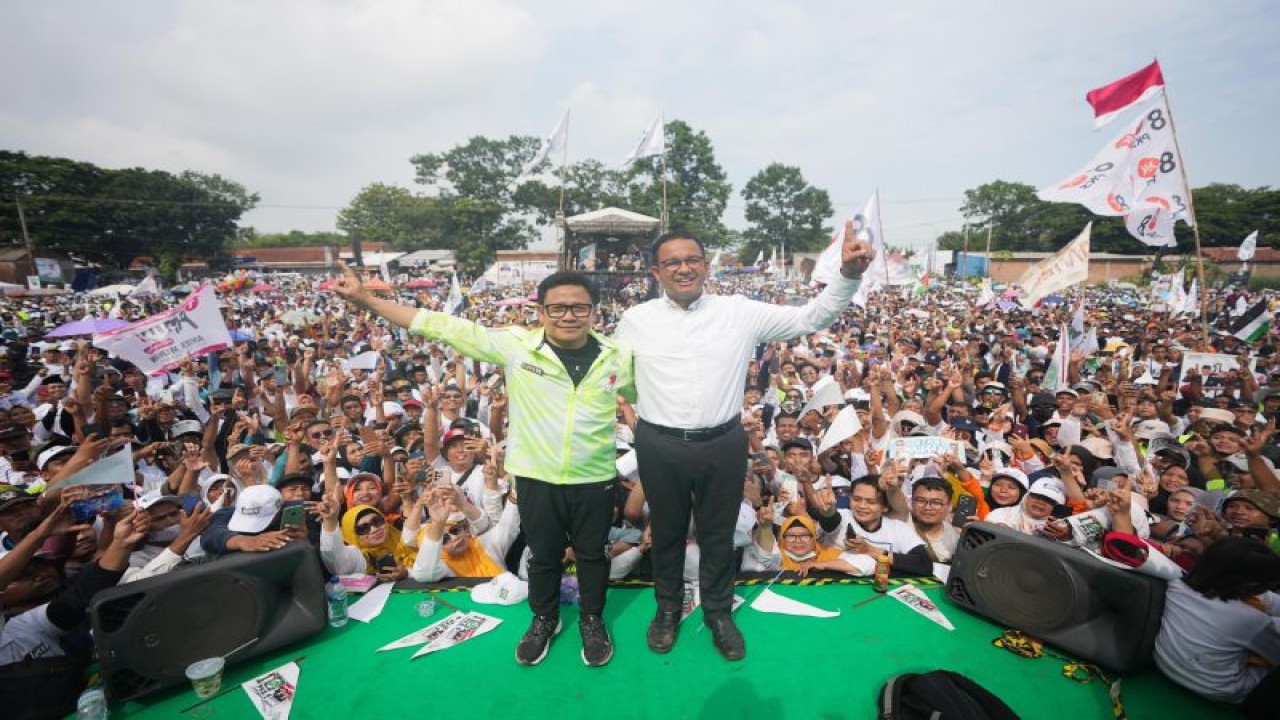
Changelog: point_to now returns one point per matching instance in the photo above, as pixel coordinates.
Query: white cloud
(306, 102)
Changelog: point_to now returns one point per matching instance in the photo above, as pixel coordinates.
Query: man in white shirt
(691, 356)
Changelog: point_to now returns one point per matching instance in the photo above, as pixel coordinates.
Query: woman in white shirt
(1220, 634)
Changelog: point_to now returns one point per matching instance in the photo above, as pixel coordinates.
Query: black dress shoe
(727, 637)
(663, 629)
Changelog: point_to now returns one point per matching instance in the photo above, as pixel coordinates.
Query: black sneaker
(537, 639)
(597, 646)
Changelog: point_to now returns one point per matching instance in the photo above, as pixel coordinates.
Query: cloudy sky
(307, 101)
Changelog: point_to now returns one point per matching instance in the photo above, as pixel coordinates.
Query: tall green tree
(588, 185)
(396, 216)
(783, 208)
(697, 188)
(114, 216)
(473, 184)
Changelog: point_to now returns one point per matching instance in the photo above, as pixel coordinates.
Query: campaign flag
(1138, 175)
(1177, 292)
(454, 303)
(113, 469)
(715, 262)
(1110, 100)
(159, 343)
(555, 142)
(759, 258)
(1055, 377)
(652, 142)
(149, 288)
(985, 293)
(1191, 303)
(866, 227)
(1065, 268)
(1253, 324)
(1248, 247)
(1077, 317)
(272, 692)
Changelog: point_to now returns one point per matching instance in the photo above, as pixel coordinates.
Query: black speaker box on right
(1059, 594)
(148, 632)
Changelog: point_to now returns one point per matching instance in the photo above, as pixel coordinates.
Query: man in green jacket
(562, 383)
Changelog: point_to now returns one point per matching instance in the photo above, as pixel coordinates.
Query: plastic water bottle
(337, 597)
(92, 705)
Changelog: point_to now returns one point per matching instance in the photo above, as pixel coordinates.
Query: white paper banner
(1069, 266)
(914, 598)
(425, 635)
(159, 343)
(471, 625)
(114, 469)
(924, 446)
(272, 693)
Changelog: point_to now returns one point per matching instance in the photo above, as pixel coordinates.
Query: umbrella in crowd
(87, 326)
(419, 284)
(261, 288)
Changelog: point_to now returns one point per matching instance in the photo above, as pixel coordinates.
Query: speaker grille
(1033, 592)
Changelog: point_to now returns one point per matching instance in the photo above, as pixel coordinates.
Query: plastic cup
(206, 676)
(427, 607)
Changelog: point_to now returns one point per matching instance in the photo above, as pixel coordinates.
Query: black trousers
(554, 517)
(702, 480)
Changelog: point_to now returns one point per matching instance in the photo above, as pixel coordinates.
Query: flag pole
(989, 248)
(664, 185)
(964, 257)
(884, 246)
(564, 161)
(1195, 226)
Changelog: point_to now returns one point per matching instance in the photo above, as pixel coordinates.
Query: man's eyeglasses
(375, 522)
(320, 434)
(558, 311)
(674, 264)
(457, 530)
(926, 503)
(451, 396)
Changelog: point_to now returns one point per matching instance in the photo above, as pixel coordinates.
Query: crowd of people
(421, 467)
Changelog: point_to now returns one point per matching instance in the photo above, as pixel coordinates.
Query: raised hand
(348, 285)
(855, 255)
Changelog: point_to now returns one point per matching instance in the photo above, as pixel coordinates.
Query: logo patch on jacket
(532, 368)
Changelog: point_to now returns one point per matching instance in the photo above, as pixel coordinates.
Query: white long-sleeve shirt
(691, 364)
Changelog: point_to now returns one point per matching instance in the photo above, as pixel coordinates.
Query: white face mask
(165, 536)
(800, 558)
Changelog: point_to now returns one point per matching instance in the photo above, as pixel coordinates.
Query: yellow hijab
(392, 545)
(823, 552)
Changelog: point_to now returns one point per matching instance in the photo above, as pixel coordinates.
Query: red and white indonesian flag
(159, 343)
(1109, 101)
(1065, 268)
(1138, 174)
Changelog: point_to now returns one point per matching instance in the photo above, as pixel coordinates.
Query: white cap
(146, 500)
(1148, 429)
(52, 452)
(256, 507)
(1013, 474)
(1047, 488)
(183, 427)
(208, 481)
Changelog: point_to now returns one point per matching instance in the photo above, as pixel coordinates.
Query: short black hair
(1235, 568)
(562, 278)
(666, 237)
(873, 482)
(933, 483)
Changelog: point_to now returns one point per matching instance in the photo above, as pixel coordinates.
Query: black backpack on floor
(940, 695)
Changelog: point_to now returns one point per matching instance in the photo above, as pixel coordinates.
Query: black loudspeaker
(1059, 594)
(148, 632)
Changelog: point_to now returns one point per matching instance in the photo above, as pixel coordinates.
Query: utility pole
(26, 238)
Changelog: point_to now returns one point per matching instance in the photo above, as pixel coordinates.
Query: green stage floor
(796, 667)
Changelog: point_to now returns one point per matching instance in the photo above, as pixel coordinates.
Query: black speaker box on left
(148, 632)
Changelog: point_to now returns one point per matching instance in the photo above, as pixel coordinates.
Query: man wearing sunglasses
(692, 352)
(563, 381)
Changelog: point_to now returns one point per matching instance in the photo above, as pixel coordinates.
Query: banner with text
(159, 343)
(1059, 271)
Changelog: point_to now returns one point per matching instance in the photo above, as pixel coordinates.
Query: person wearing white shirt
(692, 351)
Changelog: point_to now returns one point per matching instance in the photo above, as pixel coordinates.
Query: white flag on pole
(552, 143)
(1138, 174)
(1191, 303)
(759, 257)
(866, 227)
(652, 142)
(1247, 248)
(1065, 268)
(453, 304)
